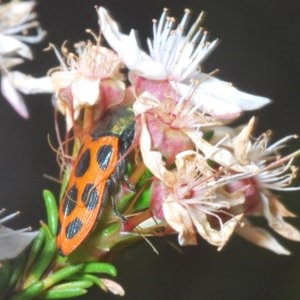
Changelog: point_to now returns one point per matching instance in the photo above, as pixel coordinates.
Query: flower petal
(208, 103)
(153, 159)
(13, 97)
(226, 92)
(241, 143)
(31, 85)
(179, 219)
(12, 242)
(113, 287)
(215, 237)
(276, 221)
(125, 45)
(9, 62)
(10, 45)
(85, 92)
(219, 98)
(61, 79)
(260, 237)
(150, 69)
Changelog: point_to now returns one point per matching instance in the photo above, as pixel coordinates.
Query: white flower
(175, 55)
(16, 19)
(270, 172)
(191, 194)
(91, 78)
(197, 201)
(193, 199)
(276, 174)
(13, 242)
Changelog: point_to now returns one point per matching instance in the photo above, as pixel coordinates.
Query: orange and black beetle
(96, 172)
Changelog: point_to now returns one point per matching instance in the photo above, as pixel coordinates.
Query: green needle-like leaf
(17, 270)
(36, 247)
(62, 274)
(63, 294)
(30, 292)
(89, 277)
(44, 259)
(98, 267)
(5, 270)
(73, 284)
(52, 211)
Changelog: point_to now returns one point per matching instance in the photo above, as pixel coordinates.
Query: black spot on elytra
(73, 228)
(103, 156)
(70, 200)
(83, 163)
(90, 197)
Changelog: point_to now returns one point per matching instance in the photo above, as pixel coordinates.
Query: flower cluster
(206, 178)
(166, 153)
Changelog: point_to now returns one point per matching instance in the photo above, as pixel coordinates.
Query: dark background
(259, 53)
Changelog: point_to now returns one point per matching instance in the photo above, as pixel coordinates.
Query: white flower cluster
(201, 185)
(18, 27)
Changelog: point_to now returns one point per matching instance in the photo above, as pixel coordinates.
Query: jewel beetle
(98, 168)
